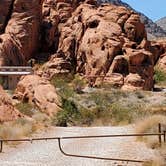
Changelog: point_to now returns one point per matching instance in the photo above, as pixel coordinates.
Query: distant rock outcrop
(162, 23)
(7, 110)
(153, 29)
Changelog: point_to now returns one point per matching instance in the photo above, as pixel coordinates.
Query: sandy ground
(46, 153)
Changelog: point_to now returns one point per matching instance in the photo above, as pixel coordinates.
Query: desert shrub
(40, 117)
(68, 114)
(160, 76)
(61, 80)
(149, 123)
(156, 162)
(62, 84)
(139, 95)
(120, 114)
(25, 108)
(86, 117)
(16, 129)
(78, 83)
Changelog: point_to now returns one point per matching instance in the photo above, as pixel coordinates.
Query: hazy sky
(154, 9)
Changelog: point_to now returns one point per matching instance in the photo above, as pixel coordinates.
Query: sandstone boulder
(133, 82)
(114, 79)
(57, 65)
(38, 91)
(162, 63)
(7, 110)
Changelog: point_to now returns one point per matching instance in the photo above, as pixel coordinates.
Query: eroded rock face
(101, 40)
(55, 12)
(162, 58)
(162, 62)
(133, 82)
(21, 34)
(5, 6)
(38, 91)
(56, 66)
(7, 110)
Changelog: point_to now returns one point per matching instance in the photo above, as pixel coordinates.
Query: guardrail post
(1, 146)
(164, 136)
(159, 129)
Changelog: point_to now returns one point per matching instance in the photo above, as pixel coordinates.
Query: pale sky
(154, 9)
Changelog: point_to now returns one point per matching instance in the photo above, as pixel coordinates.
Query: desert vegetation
(160, 77)
(32, 122)
(103, 105)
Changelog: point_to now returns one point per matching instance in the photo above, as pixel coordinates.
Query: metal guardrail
(160, 134)
(15, 68)
(12, 69)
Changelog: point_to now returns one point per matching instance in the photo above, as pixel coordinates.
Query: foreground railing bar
(94, 157)
(82, 137)
(118, 135)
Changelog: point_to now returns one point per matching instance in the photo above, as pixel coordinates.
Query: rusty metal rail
(161, 134)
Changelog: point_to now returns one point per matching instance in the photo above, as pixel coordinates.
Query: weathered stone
(21, 37)
(7, 110)
(133, 82)
(5, 7)
(40, 92)
(162, 63)
(101, 40)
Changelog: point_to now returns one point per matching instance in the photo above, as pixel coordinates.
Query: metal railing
(15, 68)
(161, 138)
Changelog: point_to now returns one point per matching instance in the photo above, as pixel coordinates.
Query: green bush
(160, 76)
(120, 114)
(78, 83)
(63, 86)
(68, 114)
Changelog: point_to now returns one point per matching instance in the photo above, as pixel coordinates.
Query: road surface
(47, 153)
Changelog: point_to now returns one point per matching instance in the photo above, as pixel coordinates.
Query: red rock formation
(161, 48)
(38, 91)
(7, 110)
(5, 6)
(162, 62)
(101, 40)
(133, 82)
(56, 66)
(82, 37)
(21, 37)
(55, 12)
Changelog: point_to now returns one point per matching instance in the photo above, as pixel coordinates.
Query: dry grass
(16, 129)
(23, 127)
(150, 123)
(156, 162)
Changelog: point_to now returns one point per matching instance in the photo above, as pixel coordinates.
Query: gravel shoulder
(46, 153)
